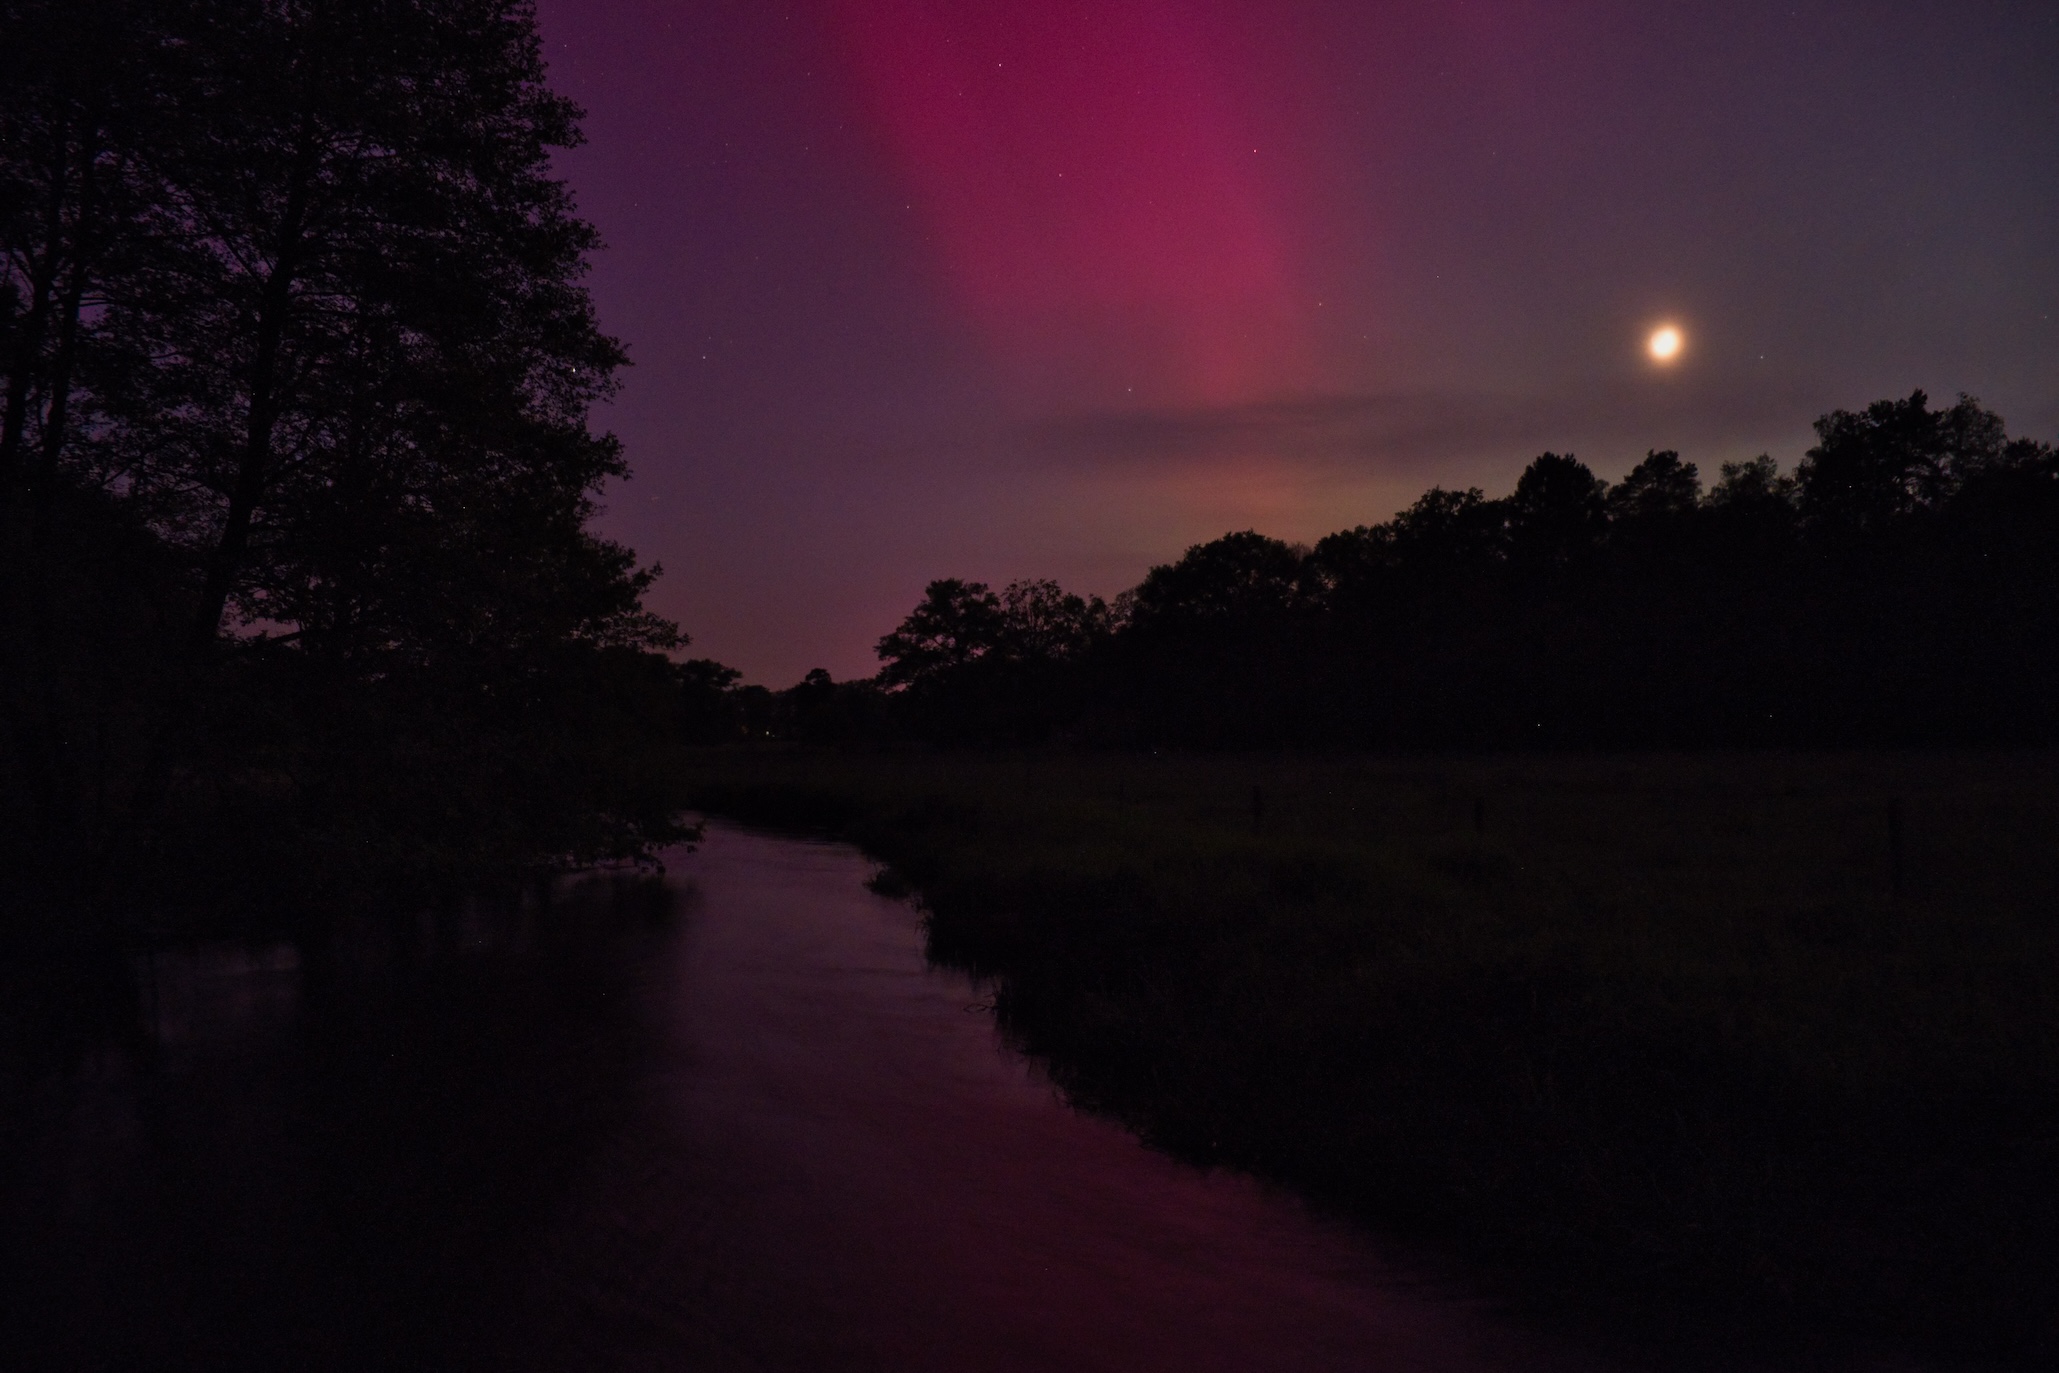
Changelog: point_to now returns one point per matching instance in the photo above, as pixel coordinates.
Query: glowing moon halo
(1665, 343)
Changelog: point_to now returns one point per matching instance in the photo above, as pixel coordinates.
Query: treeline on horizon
(1899, 587)
(299, 604)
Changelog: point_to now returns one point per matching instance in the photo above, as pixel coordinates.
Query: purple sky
(924, 288)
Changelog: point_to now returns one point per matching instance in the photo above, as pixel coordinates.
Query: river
(763, 1135)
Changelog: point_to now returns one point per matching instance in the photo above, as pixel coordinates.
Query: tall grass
(1768, 1041)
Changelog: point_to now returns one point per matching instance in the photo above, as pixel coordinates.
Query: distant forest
(1899, 587)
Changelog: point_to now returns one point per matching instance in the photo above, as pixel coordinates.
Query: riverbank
(1752, 1043)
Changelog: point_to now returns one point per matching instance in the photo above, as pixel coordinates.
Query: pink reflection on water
(843, 1168)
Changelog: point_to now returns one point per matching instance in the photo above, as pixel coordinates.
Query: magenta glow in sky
(1052, 288)
(1093, 189)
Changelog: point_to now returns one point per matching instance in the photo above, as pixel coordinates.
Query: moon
(1665, 343)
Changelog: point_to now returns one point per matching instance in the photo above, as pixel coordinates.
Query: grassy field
(1758, 1042)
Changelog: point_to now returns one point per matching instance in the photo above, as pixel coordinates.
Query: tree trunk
(253, 471)
(246, 496)
(21, 376)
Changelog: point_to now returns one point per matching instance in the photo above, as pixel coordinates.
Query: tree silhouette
(1892, 458)
(295, 472)
(1043, 622)
(1451, 532)
(1660, 488)
(1556, 515)
(957, 624)
(1239, 575)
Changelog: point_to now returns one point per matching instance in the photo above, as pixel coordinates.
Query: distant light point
(1665, 344)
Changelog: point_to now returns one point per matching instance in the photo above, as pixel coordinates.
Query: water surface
(762, 1135)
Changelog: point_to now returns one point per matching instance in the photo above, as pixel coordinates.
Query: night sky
(925, 288)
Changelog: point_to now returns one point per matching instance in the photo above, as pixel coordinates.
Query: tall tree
(293, 298)
(370, 321)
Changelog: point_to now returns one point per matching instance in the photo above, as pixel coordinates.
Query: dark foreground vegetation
(1752, 1046)
(362, 1160)
(299, 607)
